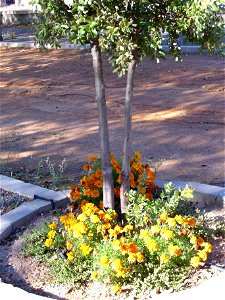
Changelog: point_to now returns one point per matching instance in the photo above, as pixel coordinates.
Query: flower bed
(164, 238)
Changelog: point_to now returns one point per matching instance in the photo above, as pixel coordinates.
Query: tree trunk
(125, 185)
(108, 191)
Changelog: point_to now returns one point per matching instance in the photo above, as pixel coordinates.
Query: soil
(48, 109)
(33, 276)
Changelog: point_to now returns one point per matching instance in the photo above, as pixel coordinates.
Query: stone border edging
(205, 195)
(19, 216)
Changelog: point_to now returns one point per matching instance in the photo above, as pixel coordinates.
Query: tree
(128, 31)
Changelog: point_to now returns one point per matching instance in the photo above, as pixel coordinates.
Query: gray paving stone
(5, 228)
(19, 216)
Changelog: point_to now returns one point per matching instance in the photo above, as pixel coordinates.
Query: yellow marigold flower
(51, 234)
(78, 229)
(104, 261)
(48, 242)
(171, 222)
(90, 233)
(85, 249)
(203, 255)
(94, 219)
(167, 234)
(92, 158)
(69, 246)
(52, 226)
(140, 257)
(193, 240)
(155, 229)
(151, 245)
(112, 232)
(163, 217)
(207, 247)
(174, 250)
(95, 193)
(116, 288)
(81, 217)
(128, 228)
(144, 233)
(195, 261)
(179, 219)
(71, 255)
(146, 219)
(116, 264)
(121, 273)
(116, 244)
(94, 275)
(107, 217)
(191, 222)
(164, 258)
(137, 155)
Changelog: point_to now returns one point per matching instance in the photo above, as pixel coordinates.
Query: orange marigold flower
(191, 222)
(174, 250)
(119, 179)
(195, 261)
(92, 158)
(99, 183)
(133, 184)
(87, 167)
(95, 193)
(200, 241)
(117, 192)
(87, 192)
(101, 204)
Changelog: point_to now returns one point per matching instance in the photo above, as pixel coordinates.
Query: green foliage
(132, 29)
(171, 201)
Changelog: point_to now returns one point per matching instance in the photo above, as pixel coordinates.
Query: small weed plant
(157, 248)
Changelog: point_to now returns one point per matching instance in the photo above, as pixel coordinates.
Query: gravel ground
(9, 201)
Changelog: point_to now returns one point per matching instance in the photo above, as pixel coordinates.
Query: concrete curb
(42, 200)
(185, 49)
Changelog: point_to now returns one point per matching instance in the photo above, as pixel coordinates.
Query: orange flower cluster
(90, 187)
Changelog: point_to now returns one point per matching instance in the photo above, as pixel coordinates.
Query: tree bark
(125, 185)
(108, 188)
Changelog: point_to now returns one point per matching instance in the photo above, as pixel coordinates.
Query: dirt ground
(48, 109)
